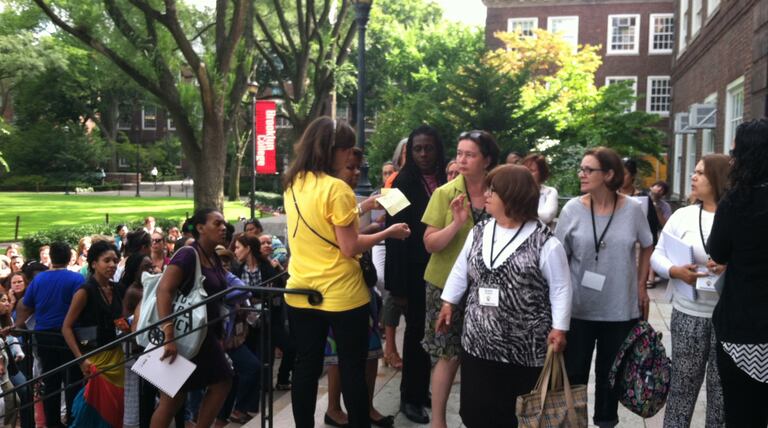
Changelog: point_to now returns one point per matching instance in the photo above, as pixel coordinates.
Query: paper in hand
(393, 200)
(167, 377)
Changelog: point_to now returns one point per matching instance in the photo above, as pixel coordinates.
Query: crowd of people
(485, 268)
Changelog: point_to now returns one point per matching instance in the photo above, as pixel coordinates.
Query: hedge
(72, 235)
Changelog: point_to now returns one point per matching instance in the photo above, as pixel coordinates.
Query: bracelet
(360, 208)
(162, 327)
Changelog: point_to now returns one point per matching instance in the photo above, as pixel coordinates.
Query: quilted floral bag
(553, 403)
(641, 371)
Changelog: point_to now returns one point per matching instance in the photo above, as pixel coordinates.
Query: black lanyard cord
(701, 231)
(493, 240)
(599, 242)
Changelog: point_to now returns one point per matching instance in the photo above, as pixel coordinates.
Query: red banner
(265, 126)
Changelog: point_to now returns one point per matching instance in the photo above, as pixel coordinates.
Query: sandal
(650, 284)
(393, 360)
(239, 418)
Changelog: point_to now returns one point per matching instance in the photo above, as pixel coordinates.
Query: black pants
(281, 339)
(414, 388)
(309, 328)
(53, 352)
(582, 339)
(489, 391)
(744, 397)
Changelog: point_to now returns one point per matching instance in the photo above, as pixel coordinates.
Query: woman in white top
(693, 336)
(515, 276)
(537, 164)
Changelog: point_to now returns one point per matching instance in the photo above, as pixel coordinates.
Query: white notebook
(168, 378)
(680, 254)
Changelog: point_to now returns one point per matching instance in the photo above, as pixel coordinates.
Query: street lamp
(253, 89)
(362, 10)
(138, 168)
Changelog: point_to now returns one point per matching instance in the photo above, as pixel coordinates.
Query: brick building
(636, 40)
(719, 78)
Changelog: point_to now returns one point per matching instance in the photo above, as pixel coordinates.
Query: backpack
(641, 371)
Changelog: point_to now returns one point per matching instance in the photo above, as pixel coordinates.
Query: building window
(690, 161)
(734, 111)
(683, 26)
(659, 95)
(524, 26)
(124, 118)
(283, 123)
(661, 38)
(708, 135)
(612, 80)
(712, 6)
(697, 18)
(148, 117)
(170, 125)
(122, 162)
(623, 34)
(567, 27)
(677, 159)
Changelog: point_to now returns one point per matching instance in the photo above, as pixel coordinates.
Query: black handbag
(366, 259)
(87, 336)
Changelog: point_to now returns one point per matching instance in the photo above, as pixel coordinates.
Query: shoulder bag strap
(296, 205)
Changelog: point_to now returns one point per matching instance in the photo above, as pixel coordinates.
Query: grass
(41, 211)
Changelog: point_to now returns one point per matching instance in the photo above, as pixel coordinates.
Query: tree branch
(225, 54)
(284, 26)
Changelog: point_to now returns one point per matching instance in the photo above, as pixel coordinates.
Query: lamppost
(138, 168)
(362, 10)
(253, 89)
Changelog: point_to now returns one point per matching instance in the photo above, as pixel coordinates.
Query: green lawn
(43, 211)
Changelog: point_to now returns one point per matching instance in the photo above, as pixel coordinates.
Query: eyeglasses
(587, 170)
(157, 241)
(471, 135)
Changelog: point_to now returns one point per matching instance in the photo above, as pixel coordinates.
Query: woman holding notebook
(693, 337)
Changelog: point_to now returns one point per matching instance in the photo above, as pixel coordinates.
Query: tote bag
(187, 341)
(553, 403)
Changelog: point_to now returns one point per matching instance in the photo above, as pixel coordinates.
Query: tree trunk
(234, 176)
(209, 167)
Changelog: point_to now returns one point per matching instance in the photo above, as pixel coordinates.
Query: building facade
(719, 78)
(636, 40)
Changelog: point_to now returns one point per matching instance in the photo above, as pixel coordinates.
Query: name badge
(488, 296)
(707, 283)
(593, 280)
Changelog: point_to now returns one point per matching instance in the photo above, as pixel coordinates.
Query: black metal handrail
(313, 296)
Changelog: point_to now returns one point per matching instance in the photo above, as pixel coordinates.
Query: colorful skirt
(442, 345)
(100, 403)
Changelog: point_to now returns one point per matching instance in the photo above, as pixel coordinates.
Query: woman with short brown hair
(515, 276)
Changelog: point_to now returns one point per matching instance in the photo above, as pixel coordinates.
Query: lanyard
(599, 243)
(701, 231)
(493, 240)
(475, 218)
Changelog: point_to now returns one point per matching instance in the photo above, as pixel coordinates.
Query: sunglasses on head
(472, 135)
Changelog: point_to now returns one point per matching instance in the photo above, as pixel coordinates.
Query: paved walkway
(387, 397)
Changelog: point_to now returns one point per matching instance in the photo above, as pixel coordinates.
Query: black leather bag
(87, 336)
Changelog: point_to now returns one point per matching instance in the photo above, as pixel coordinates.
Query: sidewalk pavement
(387, 392)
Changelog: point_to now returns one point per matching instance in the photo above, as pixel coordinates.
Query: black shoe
(414, 413)
(385, 421)
(330, 422)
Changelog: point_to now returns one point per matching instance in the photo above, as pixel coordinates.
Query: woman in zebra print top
(518, 299)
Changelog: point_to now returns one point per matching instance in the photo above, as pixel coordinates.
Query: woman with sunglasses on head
(157, 252)
(322, 219)
(739, 238)
(693, 338)
(453, 210)
(599, 231)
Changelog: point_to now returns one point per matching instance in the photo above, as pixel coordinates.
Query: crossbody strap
(296, 205)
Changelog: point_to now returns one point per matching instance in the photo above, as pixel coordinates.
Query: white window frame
(123, 126)
(638, 23)
(708, 135)
(677, 162)
(511, 21)
(652, 33)
(169, 125)
(683, 27)
(690, 161)
(143, 118)
(697, 17)
(567, 37)
(648, 95)
(634, 87)
(712, 7)
(123, 162)
(732, 93)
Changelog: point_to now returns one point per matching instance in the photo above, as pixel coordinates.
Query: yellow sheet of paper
(393, 200)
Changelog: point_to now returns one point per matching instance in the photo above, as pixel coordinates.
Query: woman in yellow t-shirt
(453, 210)
(322, 222)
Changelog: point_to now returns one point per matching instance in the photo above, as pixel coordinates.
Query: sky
(471, 12)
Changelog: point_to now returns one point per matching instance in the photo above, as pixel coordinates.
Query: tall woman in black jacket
(423, 172)
(739, 238)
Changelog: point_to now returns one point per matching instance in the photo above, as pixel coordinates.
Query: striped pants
(694, 355)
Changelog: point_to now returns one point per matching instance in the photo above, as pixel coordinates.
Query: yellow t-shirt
(324, 202)
(438, 214)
